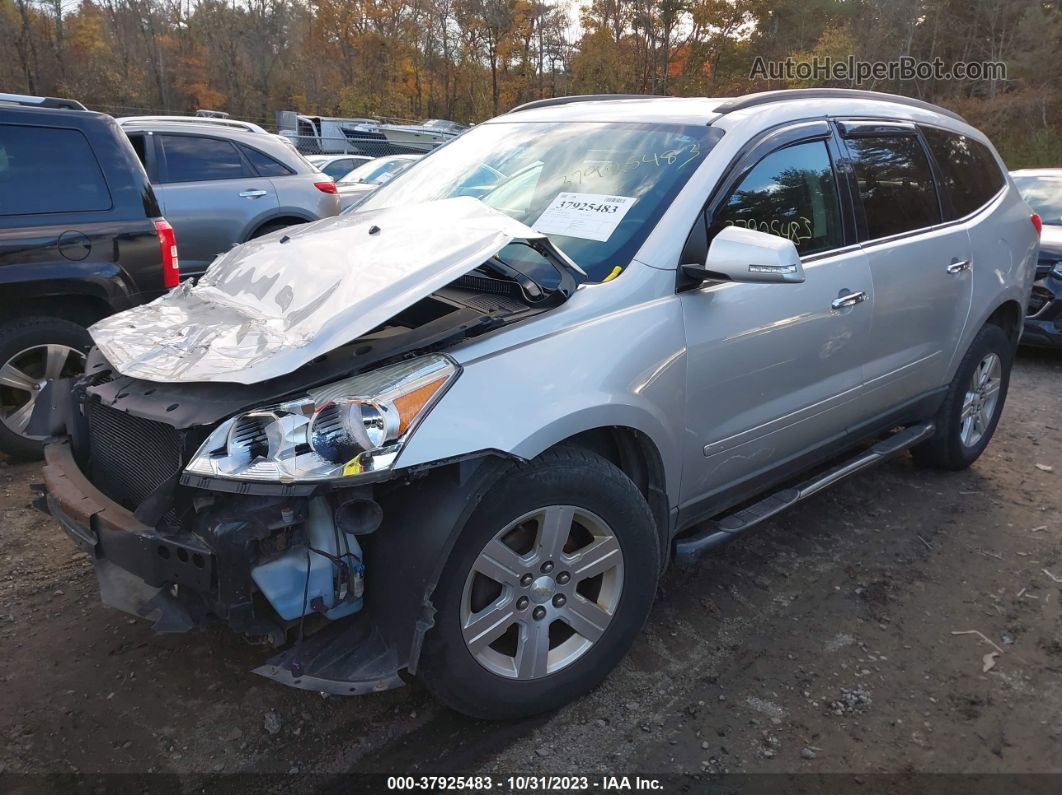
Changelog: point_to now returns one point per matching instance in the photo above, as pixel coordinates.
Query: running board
(719, 531)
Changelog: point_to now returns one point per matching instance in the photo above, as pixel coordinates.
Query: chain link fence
(373, 145)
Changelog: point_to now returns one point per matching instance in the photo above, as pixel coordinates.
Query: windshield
(377, 171)
(596, 189)
(1044, 195)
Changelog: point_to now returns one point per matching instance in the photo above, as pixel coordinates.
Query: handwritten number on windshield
(669, 157)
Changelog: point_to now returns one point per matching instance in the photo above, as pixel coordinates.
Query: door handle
(252, 193)
(959, 265)
(851, 299)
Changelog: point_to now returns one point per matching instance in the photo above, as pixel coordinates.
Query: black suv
(81, 237)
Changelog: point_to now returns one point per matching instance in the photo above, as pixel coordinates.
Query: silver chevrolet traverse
(461, 432)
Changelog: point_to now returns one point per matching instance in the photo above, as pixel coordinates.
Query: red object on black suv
(81, 237)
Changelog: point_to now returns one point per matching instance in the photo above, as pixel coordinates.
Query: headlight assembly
(344, 429)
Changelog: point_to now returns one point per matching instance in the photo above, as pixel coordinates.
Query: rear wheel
(974, 402)
(548, 585)
(34, 351)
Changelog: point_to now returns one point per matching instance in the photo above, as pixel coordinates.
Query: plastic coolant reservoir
(283, 581)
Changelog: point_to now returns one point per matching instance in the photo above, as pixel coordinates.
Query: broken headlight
(348, 428)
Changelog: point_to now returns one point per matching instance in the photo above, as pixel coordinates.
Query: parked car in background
(338, 166)
(81, 236)
(221, 185)
(700, 313)
(1042, 189)
(367, 177)
(202, 117)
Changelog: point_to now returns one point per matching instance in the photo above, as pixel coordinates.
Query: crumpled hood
(269, 306)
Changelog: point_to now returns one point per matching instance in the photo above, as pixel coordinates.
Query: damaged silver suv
(461, 432)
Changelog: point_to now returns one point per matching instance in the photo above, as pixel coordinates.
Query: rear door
(920, 266)
(210, 194)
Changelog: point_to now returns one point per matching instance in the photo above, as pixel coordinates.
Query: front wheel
(974, 402)
(547, 586)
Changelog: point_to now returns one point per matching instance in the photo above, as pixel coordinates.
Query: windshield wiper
(534, 290)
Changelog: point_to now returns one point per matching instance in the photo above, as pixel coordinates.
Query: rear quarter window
(264, 164)
(970, 173)
(49, 170)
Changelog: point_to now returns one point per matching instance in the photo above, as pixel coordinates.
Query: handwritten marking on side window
(797, 230)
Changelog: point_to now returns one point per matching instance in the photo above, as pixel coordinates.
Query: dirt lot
(826, 642)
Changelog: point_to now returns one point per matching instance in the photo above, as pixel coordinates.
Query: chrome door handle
(958, 266)
(849, 300)
(252, 194)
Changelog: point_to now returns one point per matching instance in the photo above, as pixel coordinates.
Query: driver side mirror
(745, 255)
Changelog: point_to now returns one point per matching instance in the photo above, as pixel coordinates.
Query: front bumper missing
(138, 568)
(135, 566)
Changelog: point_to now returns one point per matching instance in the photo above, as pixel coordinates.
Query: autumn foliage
(470, 59)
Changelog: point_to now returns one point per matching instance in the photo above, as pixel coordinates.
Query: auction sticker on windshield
(590, 216)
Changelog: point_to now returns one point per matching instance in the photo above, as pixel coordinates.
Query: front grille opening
(129, 457)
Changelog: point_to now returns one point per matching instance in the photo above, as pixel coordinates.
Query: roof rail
(783, 95)
(207, 121)
(42, 102)
(551, 101)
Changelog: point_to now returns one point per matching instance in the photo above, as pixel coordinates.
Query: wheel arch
(637, 456)
(1009, 316)
(81, 308)
(287, 217)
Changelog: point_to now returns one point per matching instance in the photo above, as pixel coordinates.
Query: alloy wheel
(542, 592)
(23, 376)
(979, 403)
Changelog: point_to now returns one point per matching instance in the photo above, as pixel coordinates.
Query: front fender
(626, 368)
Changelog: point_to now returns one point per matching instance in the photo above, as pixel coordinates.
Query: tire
(953, 447)
(24, 359)
(608, 513)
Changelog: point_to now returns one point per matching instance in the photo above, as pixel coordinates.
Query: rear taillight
(326, 187)
(171, 266)
(1037, 222)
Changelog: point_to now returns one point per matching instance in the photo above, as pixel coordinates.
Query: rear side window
(264, 164)
(49, 170)
(193, 159)
(971, 175)
(895, 184)
(791, 193)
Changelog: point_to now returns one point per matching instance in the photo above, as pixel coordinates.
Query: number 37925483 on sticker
(591, 216)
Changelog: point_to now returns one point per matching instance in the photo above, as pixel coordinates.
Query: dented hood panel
(270, 306)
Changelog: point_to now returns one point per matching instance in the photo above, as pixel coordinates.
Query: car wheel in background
(968, 418)
(33, 350)
(546, 589)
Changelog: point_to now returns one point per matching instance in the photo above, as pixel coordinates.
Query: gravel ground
(853, 634)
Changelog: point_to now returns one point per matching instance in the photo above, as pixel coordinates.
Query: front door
(921, 269)
(775, 370)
